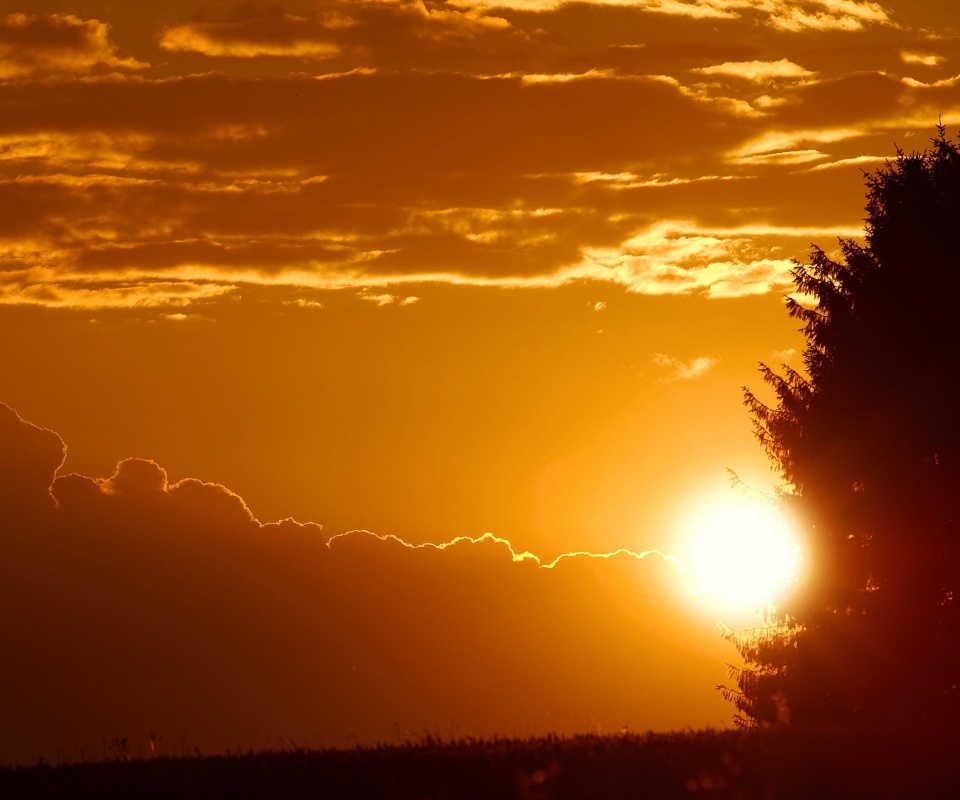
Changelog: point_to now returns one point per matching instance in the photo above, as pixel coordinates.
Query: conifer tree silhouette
(867, 440)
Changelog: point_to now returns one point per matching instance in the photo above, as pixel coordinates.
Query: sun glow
(744, 553)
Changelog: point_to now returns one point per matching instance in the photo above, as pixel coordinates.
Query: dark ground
(768, 764)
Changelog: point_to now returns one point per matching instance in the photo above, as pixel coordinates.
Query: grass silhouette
(754, 763)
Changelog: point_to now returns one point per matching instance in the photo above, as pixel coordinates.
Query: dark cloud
(350, 34)
(39, 45)
(29, 459)
(335, 176)
(851, 100)
(166, 608)
(376, 123)
(136, 477)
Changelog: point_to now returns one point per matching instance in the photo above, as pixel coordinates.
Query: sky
(368, 364)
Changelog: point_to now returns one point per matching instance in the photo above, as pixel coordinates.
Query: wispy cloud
(923, 59)
(129, 294)
(301, 302)
(788, 15)
(386, 299)
(757, 70)
(684, 371)
(362, 30)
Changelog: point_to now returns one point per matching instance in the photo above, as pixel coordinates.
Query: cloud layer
(134, 606)
(349, 145)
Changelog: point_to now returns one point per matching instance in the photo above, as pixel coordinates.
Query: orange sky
(429, 271)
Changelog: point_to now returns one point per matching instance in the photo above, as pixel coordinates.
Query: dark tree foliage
(867, 439)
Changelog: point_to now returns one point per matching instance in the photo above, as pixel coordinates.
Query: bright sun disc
(746, 553)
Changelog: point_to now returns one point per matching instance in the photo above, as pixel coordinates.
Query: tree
(867, 440)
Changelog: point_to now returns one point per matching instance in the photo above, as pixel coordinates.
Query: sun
(745, 552)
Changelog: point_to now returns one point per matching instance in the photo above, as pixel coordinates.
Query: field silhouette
(773, 764)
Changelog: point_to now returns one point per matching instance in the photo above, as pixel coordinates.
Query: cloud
(377, 299)
(566, 77)
(630, 180)
(302, 302)
(145, 605)
(924, 59)
(230, 194)
(43, 288)
(255, 30)
(682, 371)
(677, 257)
(301, 127)
(29, 459)
(788, 15)
(181, 317)
(785, 145)
(267, 181)
(785, 157)
(386, 299)
(136, 477)
(40, 45)
(405, 31)
(846, 162)
(757, 71)
(824, 15)
(784, 356)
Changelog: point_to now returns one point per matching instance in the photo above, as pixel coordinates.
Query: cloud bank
(370, 144)
(132, 605)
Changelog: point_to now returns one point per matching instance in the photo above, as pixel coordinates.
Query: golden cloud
(361, 29)
(268, 182)
(677, 257)
(386, 299)
(785, 146)
(302, 302)
(846, 162)
(924, 59)
(757, 70)
(789, 15)
(684, 371)
(824, 15)
(275, 35)
(785, 157)
(144, 293)
(39, 45)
